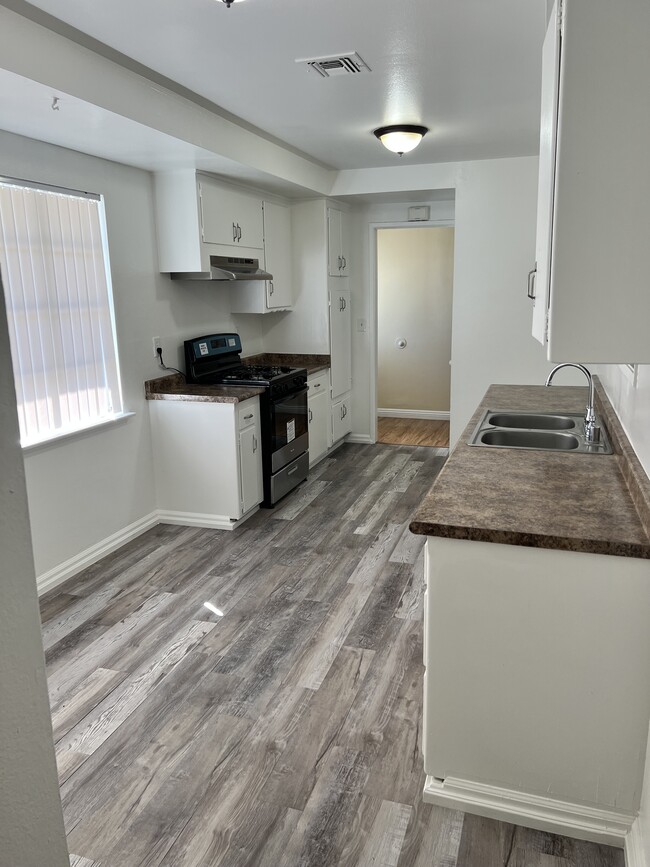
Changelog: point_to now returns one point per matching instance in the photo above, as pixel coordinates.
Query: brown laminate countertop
(313, 363)
(597, 504)
(174, 387)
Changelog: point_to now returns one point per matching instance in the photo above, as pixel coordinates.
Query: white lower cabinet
(319, 417)
(207, 461)
(537, 689)
(341, 417)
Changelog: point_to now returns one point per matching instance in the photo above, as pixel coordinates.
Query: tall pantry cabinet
(320, 321)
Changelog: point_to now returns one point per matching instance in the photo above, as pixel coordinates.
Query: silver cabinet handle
(311, 416)
(341, 413)
(246, 417)
(271, 289)
(291, 472)
(345, 262)
(318, 385)
(532, 274)
(345, 304)
(238, 232)
(234, 233)
(340, 262)
(254, 443)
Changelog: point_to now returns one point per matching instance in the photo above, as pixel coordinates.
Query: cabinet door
(334, 253)
(277, 255)
(546, 185)
(229, 217)
(250, 464)
(345, 244)
(341, 418)
(340, 340)
(318, 426)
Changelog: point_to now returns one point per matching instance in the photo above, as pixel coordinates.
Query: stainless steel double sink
(510, 429)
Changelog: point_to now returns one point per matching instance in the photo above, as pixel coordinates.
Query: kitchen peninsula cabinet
(593, 220)
(536, 646)
(207, 460)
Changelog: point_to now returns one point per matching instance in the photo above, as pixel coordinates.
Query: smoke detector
(349, 63)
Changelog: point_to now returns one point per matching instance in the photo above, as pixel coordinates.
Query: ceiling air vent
(337, 64)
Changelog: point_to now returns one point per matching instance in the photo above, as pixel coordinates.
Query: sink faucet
(592, 431)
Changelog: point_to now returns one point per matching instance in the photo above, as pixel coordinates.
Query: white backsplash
(632, 404)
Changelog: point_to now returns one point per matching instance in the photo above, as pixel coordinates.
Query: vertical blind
(56, 277)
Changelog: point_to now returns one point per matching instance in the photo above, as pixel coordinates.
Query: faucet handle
(592, 432)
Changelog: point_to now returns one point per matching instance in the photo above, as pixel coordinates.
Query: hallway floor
(413, 432)
(254, 698)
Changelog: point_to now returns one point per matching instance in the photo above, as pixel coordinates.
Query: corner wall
(31, 821)
(495, 250)
(84, 489)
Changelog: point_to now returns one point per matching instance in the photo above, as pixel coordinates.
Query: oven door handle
(281, 397)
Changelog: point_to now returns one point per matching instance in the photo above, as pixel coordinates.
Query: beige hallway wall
(415, 279)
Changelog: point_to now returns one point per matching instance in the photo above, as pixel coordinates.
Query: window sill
(55, 439)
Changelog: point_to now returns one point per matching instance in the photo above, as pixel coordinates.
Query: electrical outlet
(362, 326)
(157, 344)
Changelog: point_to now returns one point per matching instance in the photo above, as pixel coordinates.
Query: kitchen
(494, 210)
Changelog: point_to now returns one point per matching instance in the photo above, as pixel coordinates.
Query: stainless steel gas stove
(215, 359)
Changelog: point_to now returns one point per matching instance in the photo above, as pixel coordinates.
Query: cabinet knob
(246, 417)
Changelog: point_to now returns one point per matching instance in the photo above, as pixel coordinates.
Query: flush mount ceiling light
(401, 137)
(230, 2)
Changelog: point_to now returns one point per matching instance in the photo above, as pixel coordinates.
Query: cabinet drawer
(318, 383)
(248, 413)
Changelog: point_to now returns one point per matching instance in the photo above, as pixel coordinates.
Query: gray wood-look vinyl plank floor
(286, 732)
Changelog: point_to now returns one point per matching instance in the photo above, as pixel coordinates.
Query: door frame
(374, 303)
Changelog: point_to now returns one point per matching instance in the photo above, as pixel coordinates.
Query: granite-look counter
(174, 387)
(597, 504)
(313, 363)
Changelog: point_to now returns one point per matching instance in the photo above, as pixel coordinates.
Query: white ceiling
(467, 69)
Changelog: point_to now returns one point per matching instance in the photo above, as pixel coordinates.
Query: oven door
(289, 428)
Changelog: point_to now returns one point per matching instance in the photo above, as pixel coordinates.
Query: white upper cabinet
(337, 240)
(594, 184)
(277, 256)
(267, 296)
(230, 217)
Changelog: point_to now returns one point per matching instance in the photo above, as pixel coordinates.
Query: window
(57, 286)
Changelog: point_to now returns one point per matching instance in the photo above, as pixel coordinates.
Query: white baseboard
(361, 439)
(432, 414)
(634, 848)
(197, 519)
(531, 811)
(51, 579)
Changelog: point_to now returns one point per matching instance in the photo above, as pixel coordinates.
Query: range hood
(227, 269)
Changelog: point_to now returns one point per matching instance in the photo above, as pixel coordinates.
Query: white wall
(495, 249)
(494, 216)
(31, 821)
(85, 489)
(414, 287)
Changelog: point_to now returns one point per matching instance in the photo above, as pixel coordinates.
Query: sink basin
(536, 421)
(549, 431)
(530, 439)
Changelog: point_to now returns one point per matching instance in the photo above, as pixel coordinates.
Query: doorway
(414, 304)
